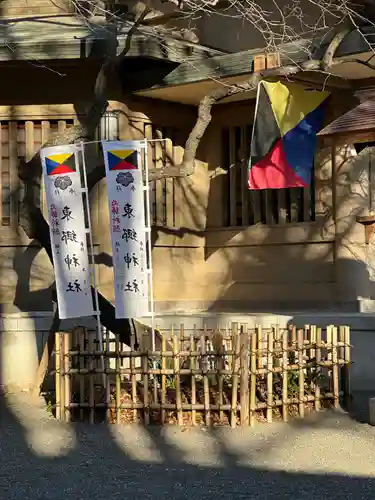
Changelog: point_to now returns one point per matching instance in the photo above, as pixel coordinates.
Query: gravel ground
(327, 455)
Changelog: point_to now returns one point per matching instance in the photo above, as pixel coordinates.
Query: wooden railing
(238, 376)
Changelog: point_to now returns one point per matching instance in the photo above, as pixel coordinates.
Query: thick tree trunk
(30, 173)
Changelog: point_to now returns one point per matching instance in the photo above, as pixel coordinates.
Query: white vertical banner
(128, 230)
(63, 190)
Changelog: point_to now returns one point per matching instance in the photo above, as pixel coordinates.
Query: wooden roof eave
(68, 38)
(348, 138)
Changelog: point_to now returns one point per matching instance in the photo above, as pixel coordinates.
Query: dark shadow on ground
(96, 467)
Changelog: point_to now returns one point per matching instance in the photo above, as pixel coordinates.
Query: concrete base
(22, 339)
(366, 305)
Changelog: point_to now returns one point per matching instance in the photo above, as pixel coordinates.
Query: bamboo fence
(236, 376)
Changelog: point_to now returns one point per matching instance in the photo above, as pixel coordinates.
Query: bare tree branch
(31, 217)
(187, 166)
(336, 41)
(109, 68)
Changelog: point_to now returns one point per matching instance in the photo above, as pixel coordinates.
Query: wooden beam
(364, 83)
(319, 80)
(28, 112)
(349, 137)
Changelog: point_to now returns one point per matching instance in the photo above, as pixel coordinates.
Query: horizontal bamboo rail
(235, 376)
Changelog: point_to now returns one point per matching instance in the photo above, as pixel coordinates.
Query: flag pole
(253, 132)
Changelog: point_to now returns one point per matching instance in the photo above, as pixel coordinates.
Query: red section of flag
(124, 165)
(61, 169)
(273, 172)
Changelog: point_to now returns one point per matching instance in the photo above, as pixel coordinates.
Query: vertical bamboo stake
(228, 347)
(209, 350)
(270, 375)
(219, 348)
(306, 336)
(133, 375)
(58, 375)
(347, 389)
(82, 361)
(318, 359)
(193, 364)
(155, 395)
(294, 338)
(329, 357)
(276, 343)
(312, 353)
(253, 377)
(258, 330)
(106, 376)
(123, 362)
(181, 347)
(74, 360)
(118, 379)
(301, 374)
(335, 369)
(67, 392)
(341, 362)
(341, 339)
(176, 369)
(244, 376)
(91, 375)
(146, 408)
(277, 348)
(163, 377)
(62, 377)
(311, 371)
(285, 335)
(206, 386)
(235, 369)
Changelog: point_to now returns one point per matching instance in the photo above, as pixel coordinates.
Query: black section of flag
(70, 163)
(133, 158)
(266, 130)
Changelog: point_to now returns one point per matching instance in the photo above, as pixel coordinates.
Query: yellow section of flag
(122, 153)
(60, 158)
(292, 103)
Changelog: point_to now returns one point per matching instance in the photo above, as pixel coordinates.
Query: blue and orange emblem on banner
(63, 163)
(122, 159)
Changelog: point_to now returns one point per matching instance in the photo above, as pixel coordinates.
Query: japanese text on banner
(128, 231)
(68, 232)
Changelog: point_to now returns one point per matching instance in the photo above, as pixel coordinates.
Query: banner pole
(93, 271)
(149, 271)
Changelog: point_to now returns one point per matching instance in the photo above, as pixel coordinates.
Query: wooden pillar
(336, 242)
